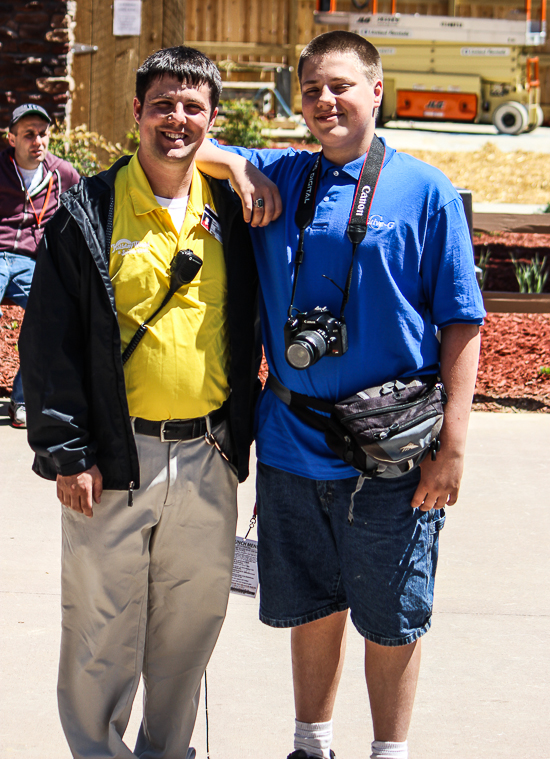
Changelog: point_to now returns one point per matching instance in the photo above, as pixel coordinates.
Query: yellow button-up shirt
(179, 369)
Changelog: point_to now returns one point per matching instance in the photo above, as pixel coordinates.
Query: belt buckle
(162, 426)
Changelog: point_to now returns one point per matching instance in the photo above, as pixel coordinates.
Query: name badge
(211, 223)
(245, 568)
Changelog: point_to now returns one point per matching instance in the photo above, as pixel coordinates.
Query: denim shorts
(312, 562)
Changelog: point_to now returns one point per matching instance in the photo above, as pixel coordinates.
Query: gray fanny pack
(383, 431)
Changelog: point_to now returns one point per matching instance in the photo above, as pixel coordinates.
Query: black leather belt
(179, 429)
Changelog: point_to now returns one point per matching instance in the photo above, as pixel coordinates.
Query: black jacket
(73, 380)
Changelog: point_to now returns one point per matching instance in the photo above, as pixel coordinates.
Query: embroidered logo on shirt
(125, 246)
(377, 222)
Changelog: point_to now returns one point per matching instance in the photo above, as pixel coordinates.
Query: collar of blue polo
(353, 168)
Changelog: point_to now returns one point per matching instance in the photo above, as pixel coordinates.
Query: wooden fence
(105, 79)
(245, 31)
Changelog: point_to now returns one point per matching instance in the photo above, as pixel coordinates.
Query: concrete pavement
(448, 136)
(484, 690)
(462, 138)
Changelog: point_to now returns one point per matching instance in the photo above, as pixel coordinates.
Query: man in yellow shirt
(161, 424)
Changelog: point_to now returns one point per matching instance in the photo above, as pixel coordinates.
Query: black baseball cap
(27, 110)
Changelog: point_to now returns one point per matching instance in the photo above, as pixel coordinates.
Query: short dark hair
(184, 63)
(344, 42)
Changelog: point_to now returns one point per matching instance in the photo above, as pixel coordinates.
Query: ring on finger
(259, 203)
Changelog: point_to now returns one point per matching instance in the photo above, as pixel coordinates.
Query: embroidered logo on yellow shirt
(124, 246)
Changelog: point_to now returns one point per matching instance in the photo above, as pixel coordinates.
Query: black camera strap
(359, 215)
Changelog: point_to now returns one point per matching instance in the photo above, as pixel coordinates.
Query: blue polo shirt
(413, 274)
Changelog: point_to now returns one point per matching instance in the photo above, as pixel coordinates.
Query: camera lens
(306, 349)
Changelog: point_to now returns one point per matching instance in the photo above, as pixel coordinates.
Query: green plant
(483, 263)
(88, 152)
(544, 371)
(547, 209)
(242, 125)
(133, 136)
(531, 277)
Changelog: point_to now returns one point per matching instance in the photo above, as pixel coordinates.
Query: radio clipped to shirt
(184, 267)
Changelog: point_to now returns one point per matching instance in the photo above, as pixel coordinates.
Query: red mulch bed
(514, 348)
(10, 324)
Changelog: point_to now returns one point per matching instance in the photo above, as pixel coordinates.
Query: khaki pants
(144, 591)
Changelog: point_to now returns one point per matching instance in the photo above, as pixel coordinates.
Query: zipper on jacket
(131, 494)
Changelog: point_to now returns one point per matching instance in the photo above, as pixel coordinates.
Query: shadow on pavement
(4, 418)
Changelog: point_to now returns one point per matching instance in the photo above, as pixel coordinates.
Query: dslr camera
(312, 335)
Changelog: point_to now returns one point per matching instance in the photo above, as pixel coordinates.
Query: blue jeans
(15, 283)
(312, 562)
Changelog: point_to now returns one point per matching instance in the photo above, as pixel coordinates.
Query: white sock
(389, 750)
(314, 738)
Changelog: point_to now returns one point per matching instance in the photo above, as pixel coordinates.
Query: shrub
(242, 125)
(88, 152)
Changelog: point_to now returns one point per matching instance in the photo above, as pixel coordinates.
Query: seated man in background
(31, 183)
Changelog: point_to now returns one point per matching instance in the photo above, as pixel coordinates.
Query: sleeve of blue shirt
(447, 268)
(265, 160)
(257, 157)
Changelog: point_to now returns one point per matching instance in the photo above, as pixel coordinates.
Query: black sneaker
(301, 754)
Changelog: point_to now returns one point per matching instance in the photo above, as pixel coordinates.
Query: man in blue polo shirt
(414, 309)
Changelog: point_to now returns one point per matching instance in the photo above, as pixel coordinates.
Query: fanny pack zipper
(387, 410)
(394, 429)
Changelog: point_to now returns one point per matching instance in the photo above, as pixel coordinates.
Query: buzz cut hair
(341, 42)
(185, 64)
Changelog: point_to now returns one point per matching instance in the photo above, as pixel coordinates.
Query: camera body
(311, 335)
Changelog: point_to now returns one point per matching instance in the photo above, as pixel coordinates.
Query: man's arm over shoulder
(249, 182)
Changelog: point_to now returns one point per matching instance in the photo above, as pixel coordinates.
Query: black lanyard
(359, 215)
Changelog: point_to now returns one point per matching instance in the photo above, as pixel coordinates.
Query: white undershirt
(177, 208)
(31, 177)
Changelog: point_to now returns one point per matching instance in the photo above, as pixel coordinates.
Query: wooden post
(173, 23)
(82, 65)
(292, 41)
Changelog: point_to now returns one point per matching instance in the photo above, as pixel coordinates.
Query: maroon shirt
(19, 231)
